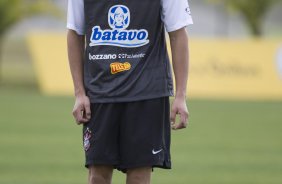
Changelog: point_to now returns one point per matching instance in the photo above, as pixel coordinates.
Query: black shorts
(129, 135)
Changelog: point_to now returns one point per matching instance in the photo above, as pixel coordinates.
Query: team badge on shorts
(86, 139)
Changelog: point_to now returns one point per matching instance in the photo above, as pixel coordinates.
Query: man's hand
(81, 110)
(179, 107)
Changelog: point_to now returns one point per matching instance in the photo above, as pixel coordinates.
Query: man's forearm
(76, 54)
(180, 60)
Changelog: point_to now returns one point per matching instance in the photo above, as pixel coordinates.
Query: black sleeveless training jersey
(126, 56)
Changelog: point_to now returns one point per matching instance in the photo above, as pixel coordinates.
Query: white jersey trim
(77, 30)
(178, 26)
(175, 14)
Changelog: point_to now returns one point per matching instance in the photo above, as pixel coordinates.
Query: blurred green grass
(227, 142)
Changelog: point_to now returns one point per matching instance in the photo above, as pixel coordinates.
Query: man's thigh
(101, 135)
(145, 134)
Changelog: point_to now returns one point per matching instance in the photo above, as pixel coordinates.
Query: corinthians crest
(118, 35)
(86, 139)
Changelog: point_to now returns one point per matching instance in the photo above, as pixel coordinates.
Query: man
(122, 80)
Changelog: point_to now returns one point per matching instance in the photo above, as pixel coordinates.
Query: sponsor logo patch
(117, 67)
(118, 35)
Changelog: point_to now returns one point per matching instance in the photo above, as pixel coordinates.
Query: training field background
(227, 142)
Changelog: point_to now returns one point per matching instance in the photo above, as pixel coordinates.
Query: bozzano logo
(119, 67)
(119, 20)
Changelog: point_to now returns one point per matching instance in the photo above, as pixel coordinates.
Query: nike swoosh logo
(156, 152)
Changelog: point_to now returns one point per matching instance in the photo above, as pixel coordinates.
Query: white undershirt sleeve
(75, 19)
(175, 14)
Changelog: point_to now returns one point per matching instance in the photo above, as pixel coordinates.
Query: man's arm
(76, 47)
(180, 61)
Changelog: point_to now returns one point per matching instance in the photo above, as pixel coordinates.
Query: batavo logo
(117, 67)
(118, 35)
